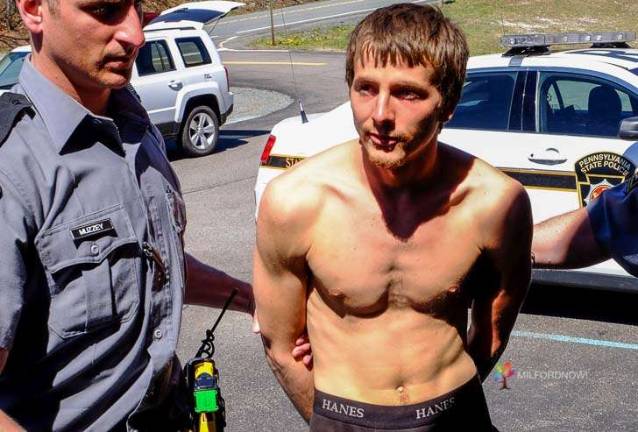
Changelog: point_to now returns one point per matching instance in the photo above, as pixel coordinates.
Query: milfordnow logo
(91, 229)
(341, 408)
(435, 408)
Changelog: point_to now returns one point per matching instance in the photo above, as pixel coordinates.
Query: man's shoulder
(494, 198)
(301, 191)
(336, 157)
(22, 139)
(481, 178)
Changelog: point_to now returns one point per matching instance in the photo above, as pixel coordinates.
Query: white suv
(178, 75)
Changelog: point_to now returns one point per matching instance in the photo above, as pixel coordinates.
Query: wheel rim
(201, 131)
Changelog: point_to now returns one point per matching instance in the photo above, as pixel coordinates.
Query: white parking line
(575, 340)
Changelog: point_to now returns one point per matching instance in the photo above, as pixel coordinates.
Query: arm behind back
(280, 285)
(496, 307)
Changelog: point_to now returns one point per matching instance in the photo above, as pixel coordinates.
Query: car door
(555, 131)
(156, 80)
(564, 122)
(486, 122)
(578, 154)
(577, 118)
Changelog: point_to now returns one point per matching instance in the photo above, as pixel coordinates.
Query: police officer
(605, 229)
(92, 270)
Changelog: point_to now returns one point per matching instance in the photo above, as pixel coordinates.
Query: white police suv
(549, 119)
(178, 75)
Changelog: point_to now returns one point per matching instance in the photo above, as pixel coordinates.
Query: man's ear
(31, 14)
(444, 116)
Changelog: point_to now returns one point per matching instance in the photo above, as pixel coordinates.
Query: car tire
(200, 131)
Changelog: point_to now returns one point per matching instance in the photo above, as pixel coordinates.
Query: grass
(485, 21)
(330, 38)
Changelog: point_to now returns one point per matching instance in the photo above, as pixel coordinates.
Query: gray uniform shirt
(89, 320)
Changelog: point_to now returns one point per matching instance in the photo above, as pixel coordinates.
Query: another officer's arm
(566, 241)
(503, 283)
(207, 286)
(280, 292)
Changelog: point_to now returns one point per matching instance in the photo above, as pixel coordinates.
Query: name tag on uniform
(92, 229)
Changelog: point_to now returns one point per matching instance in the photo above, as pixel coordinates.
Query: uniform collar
(62, 115)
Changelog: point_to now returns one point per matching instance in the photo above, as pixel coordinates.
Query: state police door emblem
(597, 172)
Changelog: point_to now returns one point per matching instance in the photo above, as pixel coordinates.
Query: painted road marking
(274, 63)
(311, 20)
(287, 12)
(576, 340)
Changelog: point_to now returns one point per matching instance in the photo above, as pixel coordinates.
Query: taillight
(227, 78)
(265, 155)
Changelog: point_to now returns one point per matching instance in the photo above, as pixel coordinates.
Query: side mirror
(629, 129)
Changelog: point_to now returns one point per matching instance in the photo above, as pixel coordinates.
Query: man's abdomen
(397, 357)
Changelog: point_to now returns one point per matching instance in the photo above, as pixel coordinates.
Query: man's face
(396, 111)
(93, 42)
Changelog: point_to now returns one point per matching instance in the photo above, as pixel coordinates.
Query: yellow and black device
(209, 414)
(202, 377)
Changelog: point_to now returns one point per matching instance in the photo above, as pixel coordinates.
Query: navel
(404, 398)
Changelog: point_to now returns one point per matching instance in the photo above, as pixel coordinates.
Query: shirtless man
(379, 245)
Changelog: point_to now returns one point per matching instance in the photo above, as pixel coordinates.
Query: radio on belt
(202, 379)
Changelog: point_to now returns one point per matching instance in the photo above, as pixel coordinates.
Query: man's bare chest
(359, 262)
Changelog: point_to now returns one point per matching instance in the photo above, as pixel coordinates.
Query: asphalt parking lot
(574, 352)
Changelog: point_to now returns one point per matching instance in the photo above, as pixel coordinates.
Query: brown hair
(414, 35)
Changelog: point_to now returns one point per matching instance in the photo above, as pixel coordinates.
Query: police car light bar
(548, 39)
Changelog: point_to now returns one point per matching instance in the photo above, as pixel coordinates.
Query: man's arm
(566, 241)
(7, 424)
(207, 286)
(280, 283)
(504, 282)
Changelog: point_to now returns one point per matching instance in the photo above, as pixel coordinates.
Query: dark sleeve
(14, 240)
(614, 221)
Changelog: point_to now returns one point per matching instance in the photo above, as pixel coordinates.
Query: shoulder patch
(11, 106)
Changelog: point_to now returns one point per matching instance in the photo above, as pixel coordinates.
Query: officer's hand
(302, 351)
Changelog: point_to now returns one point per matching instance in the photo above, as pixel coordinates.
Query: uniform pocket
(91, 265)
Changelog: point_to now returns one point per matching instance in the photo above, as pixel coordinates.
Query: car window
(193, 51)
(580, 105)
(10, 67)
(154, 57)
(485, 102)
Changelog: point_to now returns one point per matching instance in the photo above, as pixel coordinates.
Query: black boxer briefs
(461, 409)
